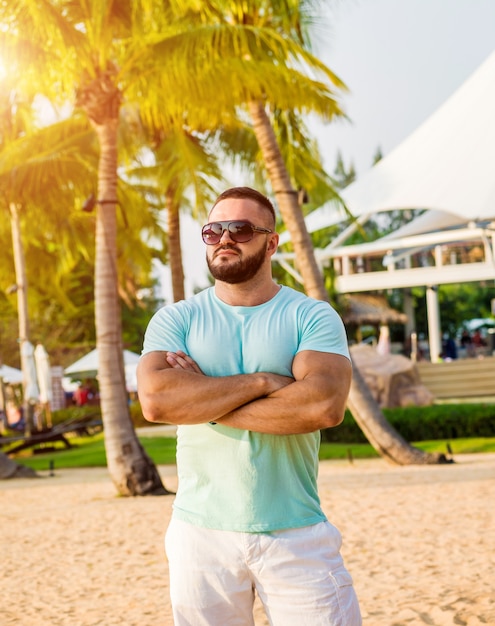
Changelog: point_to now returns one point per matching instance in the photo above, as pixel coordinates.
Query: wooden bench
(460, 379)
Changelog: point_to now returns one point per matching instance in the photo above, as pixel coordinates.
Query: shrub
(75, 412)
(438, 421)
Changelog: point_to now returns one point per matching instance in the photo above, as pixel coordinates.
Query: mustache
(226, 247)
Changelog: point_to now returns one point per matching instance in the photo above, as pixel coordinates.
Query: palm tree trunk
(174, 246)
(382, 435)
(288, 203)
(22, 305)
(131, 470)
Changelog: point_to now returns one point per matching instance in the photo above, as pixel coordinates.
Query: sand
(419, 542)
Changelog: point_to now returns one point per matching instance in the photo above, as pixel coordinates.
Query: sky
(401, 60)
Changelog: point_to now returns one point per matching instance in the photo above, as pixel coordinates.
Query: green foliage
(343, 176)
(75, 412)
(471, 445)
(351, 451)
(458, 304)
(340, 451)
(378, 156)
(439, 421)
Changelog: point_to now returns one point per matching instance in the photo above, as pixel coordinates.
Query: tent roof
(445, 165)
(428, 222)
(10, 375)
(87, 366)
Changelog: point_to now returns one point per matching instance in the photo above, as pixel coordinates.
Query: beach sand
(418, 541)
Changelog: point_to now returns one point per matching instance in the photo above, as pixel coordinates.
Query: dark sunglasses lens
(212, 233)
(241, 232)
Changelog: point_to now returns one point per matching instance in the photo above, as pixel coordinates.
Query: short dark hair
(249, 194)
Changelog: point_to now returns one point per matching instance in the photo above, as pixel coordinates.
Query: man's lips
(226, 251)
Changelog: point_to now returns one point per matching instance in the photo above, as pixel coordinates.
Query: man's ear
(273, 243)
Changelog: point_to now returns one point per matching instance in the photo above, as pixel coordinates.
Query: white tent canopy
(428, 222)
(10, 375)
(87, 367)
(446, 164)
(446, 167)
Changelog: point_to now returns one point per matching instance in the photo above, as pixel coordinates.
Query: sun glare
(4, 67)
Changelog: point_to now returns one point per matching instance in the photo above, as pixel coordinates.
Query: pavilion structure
(447, 168)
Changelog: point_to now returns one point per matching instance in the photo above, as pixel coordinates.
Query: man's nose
(226, 236)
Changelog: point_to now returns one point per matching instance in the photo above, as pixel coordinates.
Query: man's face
(232, 262)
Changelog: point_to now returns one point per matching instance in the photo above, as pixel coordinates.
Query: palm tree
(47, 173)
(21, 151)
(296, 91)
(115, 53)
(384, 438)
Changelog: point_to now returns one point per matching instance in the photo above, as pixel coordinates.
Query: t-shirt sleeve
(323, 330)
(166, 331)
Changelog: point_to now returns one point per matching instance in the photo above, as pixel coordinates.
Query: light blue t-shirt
(235, 479)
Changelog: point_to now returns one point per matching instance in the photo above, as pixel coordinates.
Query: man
(250, 372)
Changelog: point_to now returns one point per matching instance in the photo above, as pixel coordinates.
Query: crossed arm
(173, 389)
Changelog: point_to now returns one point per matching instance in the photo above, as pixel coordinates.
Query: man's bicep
(149, 364)
(335, 369)
(318, 397)
(312, 362)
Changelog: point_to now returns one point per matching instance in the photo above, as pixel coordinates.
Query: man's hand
(180, 360)
(316, 400)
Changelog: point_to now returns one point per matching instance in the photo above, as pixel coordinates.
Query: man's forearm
(173, 390)
(182, 397)
(296, 409)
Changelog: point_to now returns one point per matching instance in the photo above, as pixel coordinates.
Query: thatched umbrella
(368, 309)
(363, 308)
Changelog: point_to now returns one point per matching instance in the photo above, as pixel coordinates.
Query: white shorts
(298, 575)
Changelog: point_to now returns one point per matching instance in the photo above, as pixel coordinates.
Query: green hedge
(74, 412)
(425, 423)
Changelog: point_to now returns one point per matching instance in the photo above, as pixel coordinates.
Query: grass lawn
(90, 452)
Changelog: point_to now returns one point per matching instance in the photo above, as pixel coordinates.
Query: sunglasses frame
(225, 225)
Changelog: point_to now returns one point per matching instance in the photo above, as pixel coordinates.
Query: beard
(239, 271)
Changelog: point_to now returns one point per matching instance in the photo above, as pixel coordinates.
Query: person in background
(449, 351)
(467, 343)
(478, 341)
(14, 416)
(250, 371)
(81, 395)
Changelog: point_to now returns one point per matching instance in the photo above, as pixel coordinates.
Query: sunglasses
(239, 231)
